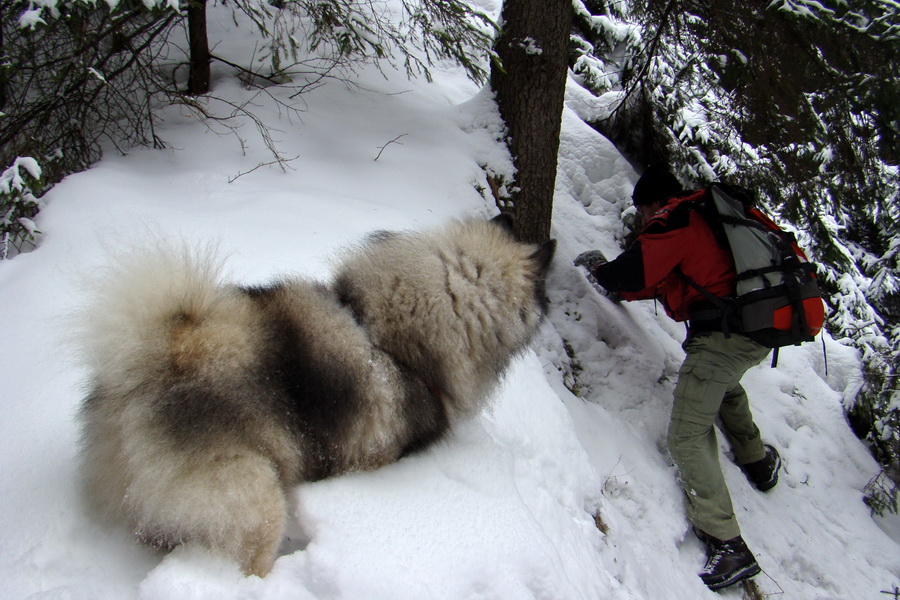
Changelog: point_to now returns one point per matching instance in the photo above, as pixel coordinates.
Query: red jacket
(675, 238)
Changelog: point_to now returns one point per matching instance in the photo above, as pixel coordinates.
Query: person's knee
(687, 438)
(691, 440)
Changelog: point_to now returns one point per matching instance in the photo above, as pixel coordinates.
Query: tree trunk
(198, 78)
(3, 76)
(530, 88)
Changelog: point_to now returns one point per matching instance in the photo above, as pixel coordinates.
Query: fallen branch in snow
(281, 162)
(751, 590)
(388, 144)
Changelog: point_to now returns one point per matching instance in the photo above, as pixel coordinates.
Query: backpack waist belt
(704, 316)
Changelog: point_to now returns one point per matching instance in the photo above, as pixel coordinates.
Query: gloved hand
(590, 260)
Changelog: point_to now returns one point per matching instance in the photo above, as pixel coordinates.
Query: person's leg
(739, 428)
(736, 417)
(693, 447)
(711, 372)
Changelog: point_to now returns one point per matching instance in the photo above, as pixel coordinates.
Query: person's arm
(625, 273)
(638, 271)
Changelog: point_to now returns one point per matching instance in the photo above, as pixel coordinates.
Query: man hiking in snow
(676, 242)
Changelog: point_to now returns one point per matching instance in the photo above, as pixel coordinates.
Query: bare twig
(389, 143)
(245, 70)
(281, 162)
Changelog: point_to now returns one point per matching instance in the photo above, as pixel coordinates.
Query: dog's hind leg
(229, 501)
(254, 516)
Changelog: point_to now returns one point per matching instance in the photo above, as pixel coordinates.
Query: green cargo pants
(708, 389)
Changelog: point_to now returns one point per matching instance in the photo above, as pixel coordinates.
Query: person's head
(654, 187)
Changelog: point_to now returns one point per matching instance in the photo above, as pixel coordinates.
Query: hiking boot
(764, 473)
(728, 562)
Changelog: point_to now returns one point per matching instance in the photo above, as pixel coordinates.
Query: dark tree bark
(198, 78)
(3, 75)
(530, 88)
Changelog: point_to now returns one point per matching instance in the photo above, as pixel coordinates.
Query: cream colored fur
(197, 421)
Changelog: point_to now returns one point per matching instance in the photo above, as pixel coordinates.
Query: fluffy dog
(208, 401)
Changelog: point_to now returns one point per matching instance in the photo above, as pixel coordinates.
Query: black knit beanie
(656, 184)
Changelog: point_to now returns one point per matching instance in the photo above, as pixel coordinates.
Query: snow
(30, 19)
(11, 179)
(508, 506)
(531, 46)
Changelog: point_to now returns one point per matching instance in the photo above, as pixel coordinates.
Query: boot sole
(733, 578)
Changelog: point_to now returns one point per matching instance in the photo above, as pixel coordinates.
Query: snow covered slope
(548, 495)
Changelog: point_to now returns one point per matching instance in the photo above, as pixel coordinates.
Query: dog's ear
(543, 256)
(505, 221)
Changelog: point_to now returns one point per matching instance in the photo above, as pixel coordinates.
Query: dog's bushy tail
(137, 299)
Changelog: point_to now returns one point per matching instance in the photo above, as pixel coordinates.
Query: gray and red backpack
(777, 301)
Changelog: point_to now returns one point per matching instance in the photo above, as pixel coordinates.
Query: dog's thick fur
(209, 401)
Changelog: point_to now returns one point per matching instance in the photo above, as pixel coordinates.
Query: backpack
(777, 301)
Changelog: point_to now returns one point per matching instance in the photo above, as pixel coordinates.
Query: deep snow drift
(547, 495)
